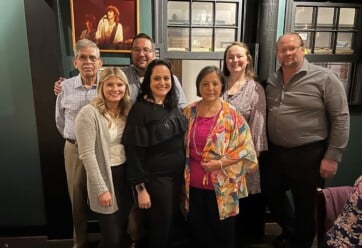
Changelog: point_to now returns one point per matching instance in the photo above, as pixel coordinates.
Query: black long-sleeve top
(153, 140)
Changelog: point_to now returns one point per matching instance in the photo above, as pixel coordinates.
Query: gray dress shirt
(311, 107)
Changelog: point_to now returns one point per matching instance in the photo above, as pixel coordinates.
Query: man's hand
(58, 85)
(328, 168)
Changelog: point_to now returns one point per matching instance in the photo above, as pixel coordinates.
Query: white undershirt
(117, 154)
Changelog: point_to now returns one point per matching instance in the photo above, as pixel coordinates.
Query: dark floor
(272, 230)
(94, 239)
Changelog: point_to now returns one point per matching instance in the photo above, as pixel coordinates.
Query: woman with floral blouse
(219, 151)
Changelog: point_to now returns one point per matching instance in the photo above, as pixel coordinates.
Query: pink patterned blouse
(231, 138)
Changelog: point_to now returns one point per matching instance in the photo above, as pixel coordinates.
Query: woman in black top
(153, 140)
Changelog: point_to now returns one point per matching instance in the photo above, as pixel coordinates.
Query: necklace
(205, 178)
(208, 135)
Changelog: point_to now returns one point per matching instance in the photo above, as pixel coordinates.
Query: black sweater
(153, 140)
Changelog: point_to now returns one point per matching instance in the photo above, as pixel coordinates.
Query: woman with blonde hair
(99, 128)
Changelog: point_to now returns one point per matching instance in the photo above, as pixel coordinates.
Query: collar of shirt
(79, 84)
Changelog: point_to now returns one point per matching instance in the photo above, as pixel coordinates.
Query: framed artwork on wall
(111, 24)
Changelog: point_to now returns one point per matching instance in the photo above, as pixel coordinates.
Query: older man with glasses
(308, 129)
(77, 92)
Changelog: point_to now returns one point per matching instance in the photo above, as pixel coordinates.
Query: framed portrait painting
(111, 24)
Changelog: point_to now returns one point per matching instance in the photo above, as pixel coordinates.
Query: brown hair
(115, 10)
(249, 71)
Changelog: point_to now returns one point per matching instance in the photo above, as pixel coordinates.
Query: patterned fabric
(250, 101)
(347, 229)
(230, 138)
(73, 97)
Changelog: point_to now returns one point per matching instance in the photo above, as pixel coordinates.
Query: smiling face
(210, 87)
(161, 82)
(142, 53)
(114, 90)
(236, 59)
(290, 51)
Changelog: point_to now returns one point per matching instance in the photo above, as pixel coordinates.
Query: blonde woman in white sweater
(99, 128)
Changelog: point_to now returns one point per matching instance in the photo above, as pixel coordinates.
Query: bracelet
(221, 164)
(140, 187)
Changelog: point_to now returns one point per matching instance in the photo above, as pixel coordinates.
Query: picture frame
(111, 24)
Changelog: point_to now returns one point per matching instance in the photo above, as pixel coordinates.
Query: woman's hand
(144, 199)
(211, 165)
(105, 199)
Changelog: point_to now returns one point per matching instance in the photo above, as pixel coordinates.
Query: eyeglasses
(291, 50)
(85, 58)
(145, 50)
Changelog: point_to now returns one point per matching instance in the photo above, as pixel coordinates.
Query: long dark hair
(145, 92)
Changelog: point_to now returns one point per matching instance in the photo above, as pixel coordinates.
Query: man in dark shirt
(308, 128)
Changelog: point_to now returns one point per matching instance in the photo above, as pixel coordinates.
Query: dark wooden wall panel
(45, 63)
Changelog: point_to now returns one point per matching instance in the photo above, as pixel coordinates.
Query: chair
(329, 203)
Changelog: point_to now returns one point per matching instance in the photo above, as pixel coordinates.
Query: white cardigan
(93, 140)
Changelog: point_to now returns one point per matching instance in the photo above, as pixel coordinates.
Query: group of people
(143, 151)
(108, 33)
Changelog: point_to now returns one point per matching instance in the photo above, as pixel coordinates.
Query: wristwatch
(140, 187)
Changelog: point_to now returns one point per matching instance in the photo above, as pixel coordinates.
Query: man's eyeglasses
(291, 50)
(144, 50)
(85, 58)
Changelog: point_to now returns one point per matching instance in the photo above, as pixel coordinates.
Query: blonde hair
(99, 101)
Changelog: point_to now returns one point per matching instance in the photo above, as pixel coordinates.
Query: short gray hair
(83, 43)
